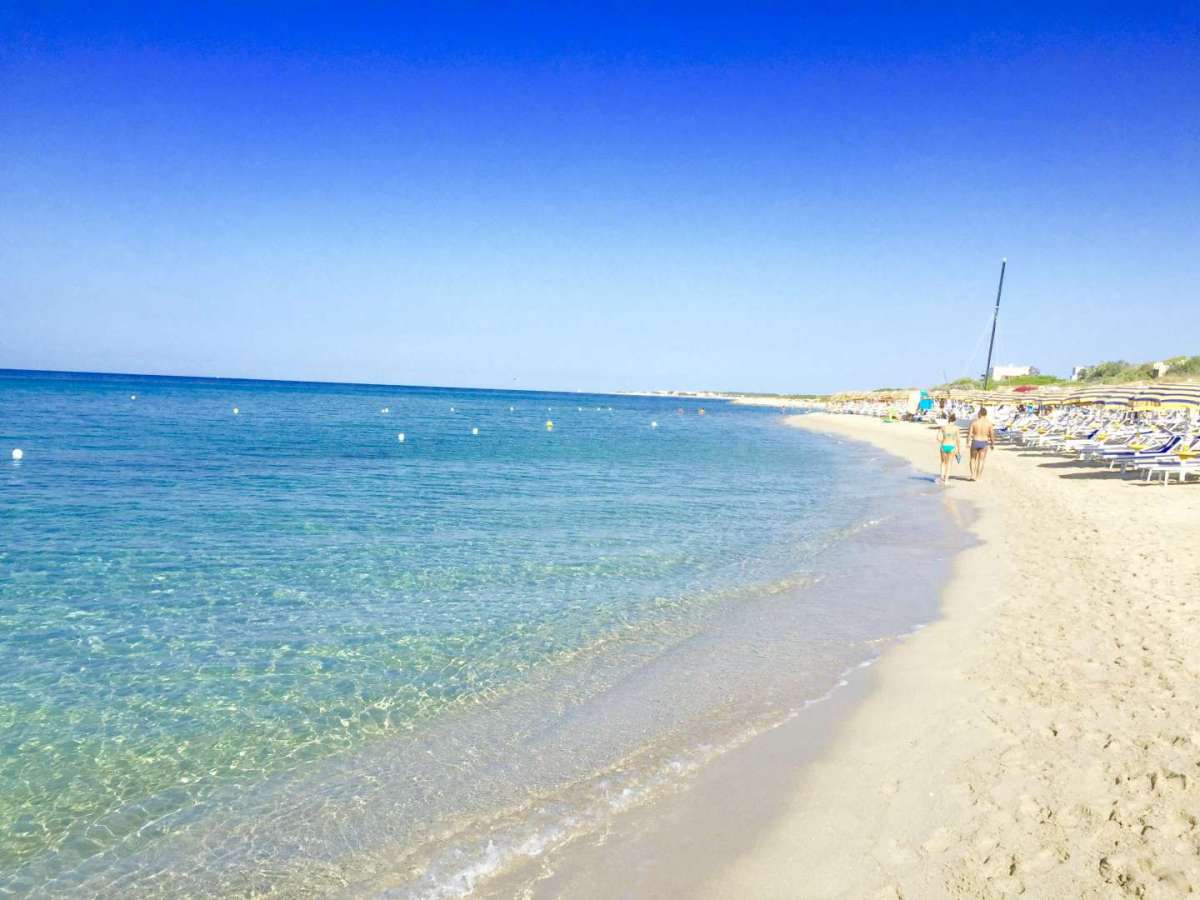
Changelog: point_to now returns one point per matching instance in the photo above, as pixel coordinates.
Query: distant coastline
(784, 401)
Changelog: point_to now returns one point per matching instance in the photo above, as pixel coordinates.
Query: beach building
(999, 373)
(1077, 372)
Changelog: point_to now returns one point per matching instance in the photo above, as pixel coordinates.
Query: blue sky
(635, 196)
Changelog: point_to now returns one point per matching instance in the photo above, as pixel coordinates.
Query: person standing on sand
(939, 417)
(983, 438)
(948, 437)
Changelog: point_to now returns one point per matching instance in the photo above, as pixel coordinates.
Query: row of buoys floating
(387, 409)
(400, 437)
(18, 454)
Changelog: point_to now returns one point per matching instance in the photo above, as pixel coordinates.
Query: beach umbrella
(1148, 398)
(1104, 395)
(994, 398)
(1045, 396)
(1050, 399)
(1178, 396)
(1082, 396)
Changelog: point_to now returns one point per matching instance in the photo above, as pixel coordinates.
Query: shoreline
(1043, 736)
(679, 842)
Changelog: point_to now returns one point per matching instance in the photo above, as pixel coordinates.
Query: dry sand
(1043, 738)
(778, 402)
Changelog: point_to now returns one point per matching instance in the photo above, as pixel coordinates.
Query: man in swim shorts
(982, 437)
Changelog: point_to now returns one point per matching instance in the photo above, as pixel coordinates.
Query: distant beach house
(999, 373)
(1077, 372)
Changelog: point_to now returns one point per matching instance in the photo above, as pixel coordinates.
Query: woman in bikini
(948, 437)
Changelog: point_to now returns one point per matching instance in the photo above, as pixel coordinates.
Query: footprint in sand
(938, 842)
(1043, 861)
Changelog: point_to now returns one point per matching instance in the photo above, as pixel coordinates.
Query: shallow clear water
(283, 650)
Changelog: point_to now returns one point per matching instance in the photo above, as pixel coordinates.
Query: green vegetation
(977, 383)
(1033, 379)
(1118, 371)
(960, 384)
(1183, 366)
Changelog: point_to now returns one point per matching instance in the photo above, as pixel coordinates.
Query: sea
(308, 639)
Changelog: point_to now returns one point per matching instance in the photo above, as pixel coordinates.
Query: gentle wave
(232, 644)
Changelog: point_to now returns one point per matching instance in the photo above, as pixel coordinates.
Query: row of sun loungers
(1148, 445)
(1154, 446)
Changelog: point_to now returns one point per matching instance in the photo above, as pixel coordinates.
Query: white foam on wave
(461, 870)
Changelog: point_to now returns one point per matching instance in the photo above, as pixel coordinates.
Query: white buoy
(653, 424)
(581, 409)
(385, 410)
(474, 431)
(18, 454)
(452, 409)
(133, 396)
(400, 437)
(510, 409)
(236, 410)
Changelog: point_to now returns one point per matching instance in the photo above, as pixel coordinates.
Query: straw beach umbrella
(994, 398)
(1147, 399)
(1178, 396)
(1051, 396)
(1105, 395)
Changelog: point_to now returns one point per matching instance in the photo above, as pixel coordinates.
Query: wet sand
(1043, 738)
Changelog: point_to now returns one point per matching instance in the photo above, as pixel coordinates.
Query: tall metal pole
(987, 373)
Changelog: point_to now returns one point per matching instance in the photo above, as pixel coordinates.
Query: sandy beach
(1043, 738)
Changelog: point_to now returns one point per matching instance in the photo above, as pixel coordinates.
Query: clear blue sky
(513, 195)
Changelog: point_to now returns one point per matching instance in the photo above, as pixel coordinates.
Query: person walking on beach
(983, 438)
(948, 437)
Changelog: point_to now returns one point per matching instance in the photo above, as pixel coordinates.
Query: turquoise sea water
(283, 650)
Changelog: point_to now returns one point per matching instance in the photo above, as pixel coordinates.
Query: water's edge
(639, 603)
(677, 843)
(706, 811)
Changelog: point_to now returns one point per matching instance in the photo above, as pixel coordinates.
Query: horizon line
(649, 392)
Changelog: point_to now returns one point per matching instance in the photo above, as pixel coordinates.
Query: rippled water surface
(283, 649)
